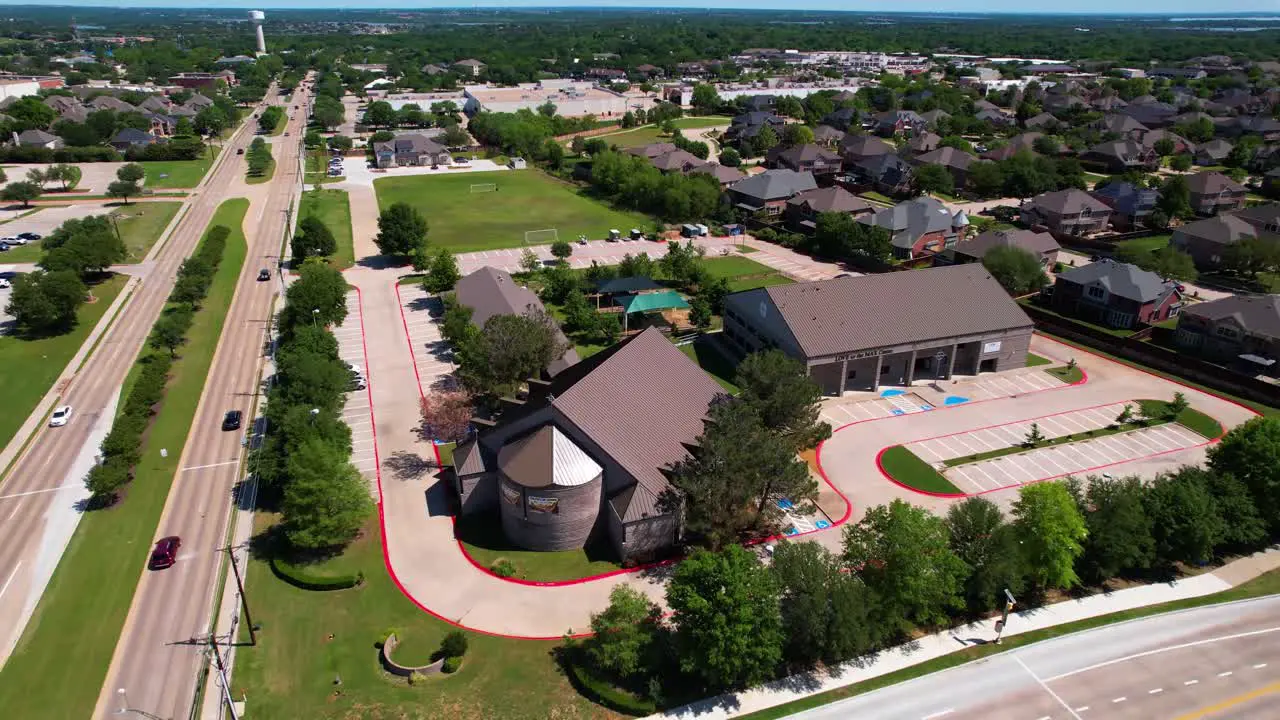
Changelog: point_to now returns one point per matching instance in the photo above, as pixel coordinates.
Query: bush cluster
(67, 154)
(258, 158)
(122, 448)
(300, 577)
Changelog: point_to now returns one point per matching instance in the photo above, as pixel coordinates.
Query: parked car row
(335, 166)
(19, 239)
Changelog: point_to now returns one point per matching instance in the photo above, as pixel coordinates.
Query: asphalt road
(159, 654)
(34, 496)
(1215, 662)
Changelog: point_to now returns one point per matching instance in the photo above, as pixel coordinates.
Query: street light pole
(124, 701)
(1009, 602)
(314, 313)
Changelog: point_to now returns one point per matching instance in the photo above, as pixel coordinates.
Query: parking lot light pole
(1009, 602)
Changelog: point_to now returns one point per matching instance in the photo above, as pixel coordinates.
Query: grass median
(59, 665)
(32, 366)
(1266, 584)
(334, 210)
(264, 176)
(907, 468)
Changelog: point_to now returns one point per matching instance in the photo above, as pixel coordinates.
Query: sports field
(463, 221)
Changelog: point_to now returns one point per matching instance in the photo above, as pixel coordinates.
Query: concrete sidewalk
(958, 638)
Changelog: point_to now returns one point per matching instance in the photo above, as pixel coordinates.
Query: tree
(313, 238)
(638, 265)
(728, 628)
(796, 134)
(326, 500)
(1119, 535)
(170, 331)
(443, 274)
(1017, 270)
(131, 172)
(1171, 263)
(624, 637)
(1181, 162)
(210, 121)
(1250, 256)
(902, 554)
(318, 287)
(87, 246)
(786, 399)
(1034, 436)
(380, 114)
(705, 99)
(454, 136)
(341, 143)
(446, 415)
(44, 303)
(730, 157)
(934, 178)
(508, 350)
(328, 112)
(123, 190)
(1248, 453)
(1048, 523)
(700, 312)
(561, 250)
(765, 140)
(1164, 147)
(986, 179)
(982, 539)
(1185, 521)
(21, 191)
(579, 316)
(826, 614)
(269, 118)
(401, 230)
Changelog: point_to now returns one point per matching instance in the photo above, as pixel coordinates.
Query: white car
(61, 416)
(5, 284)
(13, 241)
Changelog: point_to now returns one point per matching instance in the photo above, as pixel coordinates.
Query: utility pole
(1009, 602)
(222, 674)
(244, 600)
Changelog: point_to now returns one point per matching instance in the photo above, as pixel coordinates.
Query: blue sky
(1165, 7)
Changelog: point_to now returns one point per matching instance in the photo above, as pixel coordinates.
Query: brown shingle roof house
(803, 209)
(860, 332)
(1071, 212)
(1240, 330)
(586, 456)
(1212, 193)
(490, 291)
(1040, 244)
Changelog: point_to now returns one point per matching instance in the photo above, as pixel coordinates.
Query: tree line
(736, 621)
(122, 448)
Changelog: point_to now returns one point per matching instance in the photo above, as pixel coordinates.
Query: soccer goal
(541, 237)
(484, 187)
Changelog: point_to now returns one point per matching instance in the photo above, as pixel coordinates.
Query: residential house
(39, 138)
(920, 226)
(1067, 212)
(856, 148)
(769, 191)
(1152, 115)
(469, 67)
(1130, 204)
(816, 159)
(1063, 102)
(1043, 121)
(649, 71)
(1213, 193)
(748, 125)
(652, 150)
(889, 174)
(723, 174)
(956, 162)
(490, 291)
(1238, 330)
(1208, 241)
(62, 103)
(996, 117)
(846, 119)
(198, 102)
(1024, 142)
(1214, 152)
(678, 161)
(1121, 156)
(803, 209)
(409, 149)
(924, 142)
(75, 113)
(434, 69)
(1177, 73)
(1116, 294)
(1109, 103)
(110, 102)
(899, 122)
(130, 138)
(933, 117)
(827, 136)
(1271, 182)
(155, 104)
(1122, 125)
(1263, 125)
(162, 125)
(1040, 244)
(1180, 144)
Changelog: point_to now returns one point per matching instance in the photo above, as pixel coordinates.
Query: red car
(165, 553)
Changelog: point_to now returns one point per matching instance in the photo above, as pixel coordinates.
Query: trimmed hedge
(606, 694)
(300, 578)
(67, 154)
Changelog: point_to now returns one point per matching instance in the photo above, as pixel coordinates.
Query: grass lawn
(1255, 406)
(486, 543)
(1192, 419)
(334, 210)
(462, 221)
(290, 673)
(744, 273)
(1144, 245)
(712, 361)
(1066, 374)
(1266, 584)
(877, 197)
(317, 168)
(907, 468)
(178, 173)
(1034, 360)
(31, 366)
(652, 133)
(98, 574)
(265, 176)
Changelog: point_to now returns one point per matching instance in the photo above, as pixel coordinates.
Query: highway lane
(1213, 662)
(37, 496)
(159, 654)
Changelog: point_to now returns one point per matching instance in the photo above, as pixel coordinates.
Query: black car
(264, 274)
(232, 420)
(30, 236)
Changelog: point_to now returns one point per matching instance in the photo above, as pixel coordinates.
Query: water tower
(256, 17)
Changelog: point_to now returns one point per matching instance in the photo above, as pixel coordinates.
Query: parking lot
(94, 176)
(986, 387)
(357, 412)
(432, 356)
(46, 220)
(838, 413)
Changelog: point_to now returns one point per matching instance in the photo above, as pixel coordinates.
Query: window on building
(1226, 331)
(1095, 292)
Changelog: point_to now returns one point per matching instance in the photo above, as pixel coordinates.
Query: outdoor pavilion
(649, 302)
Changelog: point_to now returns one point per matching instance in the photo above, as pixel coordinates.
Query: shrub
(451, 664)
(302, 578)
(503, 568)
(454, 644)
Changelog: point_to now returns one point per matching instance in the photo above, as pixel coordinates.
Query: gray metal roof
(547, 457)
(845, 315)
(1120, 279)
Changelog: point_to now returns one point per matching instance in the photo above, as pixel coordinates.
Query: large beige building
(572, 98)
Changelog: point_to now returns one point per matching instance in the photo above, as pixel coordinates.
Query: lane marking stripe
(1157, 651)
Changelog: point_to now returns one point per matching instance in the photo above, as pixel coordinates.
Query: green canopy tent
(649, 302)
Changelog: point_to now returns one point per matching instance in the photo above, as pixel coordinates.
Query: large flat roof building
(857, 333)
(572, 98)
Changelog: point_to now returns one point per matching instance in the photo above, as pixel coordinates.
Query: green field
(334, 210)
(31, 366)
(462, 221)
(290, 673)
(98, 574)
(652, 133)
(1144, 245)
(744, 273)
(178, 173)
(140, 226)
(907, 468)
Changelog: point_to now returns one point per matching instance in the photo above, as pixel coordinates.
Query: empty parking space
(357, 412)
(432, 356)
(1072, 459)
(988, 387)
(973, 442)
(842, 413)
